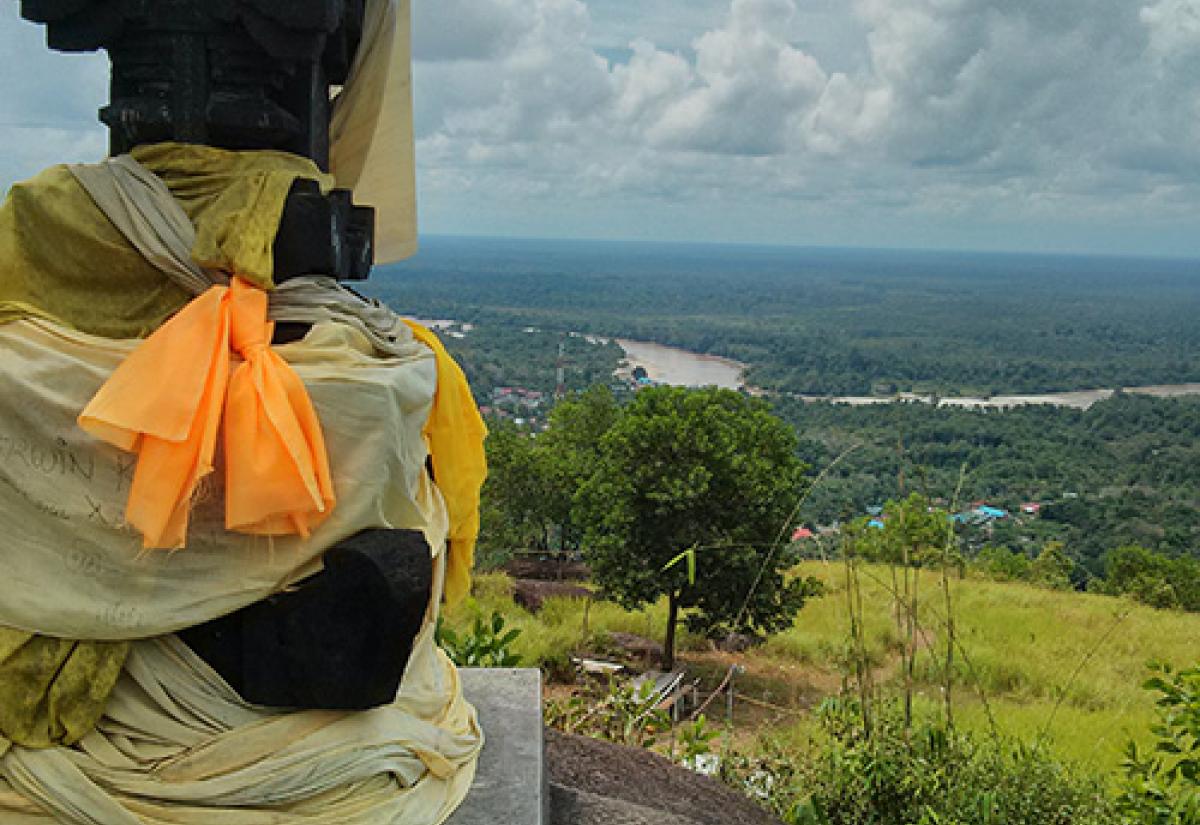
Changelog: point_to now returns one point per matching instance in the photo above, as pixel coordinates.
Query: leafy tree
(514, 507)
(1052, 567)
(1163, 787)
(567, 453)
(1153, 578)
(526, 502)
(710, 472)
(1002, 563)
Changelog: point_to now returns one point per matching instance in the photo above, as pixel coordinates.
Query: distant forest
(834, 322)
(1125, 472)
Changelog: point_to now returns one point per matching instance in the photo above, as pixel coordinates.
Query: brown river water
(682, 368)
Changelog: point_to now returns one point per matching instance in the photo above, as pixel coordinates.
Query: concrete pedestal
(511, 785)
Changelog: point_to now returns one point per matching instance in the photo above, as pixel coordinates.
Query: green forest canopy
(830, 321)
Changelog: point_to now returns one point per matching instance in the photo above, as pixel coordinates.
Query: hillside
(1064, 664)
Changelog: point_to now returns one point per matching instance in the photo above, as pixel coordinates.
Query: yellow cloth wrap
(62, 260)
(455, 433)
(235, 199)
(53, 691)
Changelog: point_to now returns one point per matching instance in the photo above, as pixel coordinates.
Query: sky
(1016, 125)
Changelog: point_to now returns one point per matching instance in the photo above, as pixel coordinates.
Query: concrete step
(511, 784)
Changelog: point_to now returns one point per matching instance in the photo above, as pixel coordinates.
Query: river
(1077, 399)
(683, 368)
(679, 367)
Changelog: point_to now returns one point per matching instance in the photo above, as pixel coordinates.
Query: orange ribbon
(165, 402)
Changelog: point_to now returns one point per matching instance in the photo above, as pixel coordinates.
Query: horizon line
(935, 250)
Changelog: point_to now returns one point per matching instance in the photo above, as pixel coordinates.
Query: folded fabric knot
(168, 400)
(249, 332)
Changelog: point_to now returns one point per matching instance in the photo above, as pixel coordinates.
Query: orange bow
(165, 403)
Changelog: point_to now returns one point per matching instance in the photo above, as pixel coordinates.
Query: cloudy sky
(978, 124)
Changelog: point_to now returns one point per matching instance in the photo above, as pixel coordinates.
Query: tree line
(824, 322)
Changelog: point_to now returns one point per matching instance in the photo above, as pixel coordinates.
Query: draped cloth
(455, 433)
(53, 690)
(145, 212)
(177, 746)
(77, 570)
(174, 745)
(168, 399)
(371, 132)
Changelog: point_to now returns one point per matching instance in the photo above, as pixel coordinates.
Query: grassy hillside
(1061, 664)
(1029, 650)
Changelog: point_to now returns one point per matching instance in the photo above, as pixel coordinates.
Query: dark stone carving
(339, 640)
(325, 235)
(237, 74)
(240, 74)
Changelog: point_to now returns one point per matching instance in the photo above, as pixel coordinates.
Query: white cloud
(462, 29)
(798, 116)
(751, 88)
(1174, 27)
(991, 108)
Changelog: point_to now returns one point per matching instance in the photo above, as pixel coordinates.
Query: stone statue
(257, 74)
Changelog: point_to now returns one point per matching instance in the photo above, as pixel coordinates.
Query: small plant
(695, 741)
(1163, 787)
(487, 644)
(626, 714)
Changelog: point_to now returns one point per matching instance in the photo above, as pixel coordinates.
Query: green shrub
(1163, 787)
(927, 775)
(625, 714)
(486, 644)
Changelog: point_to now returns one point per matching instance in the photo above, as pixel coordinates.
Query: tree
(709, 472)
(568, 451)
(513, 503)
(526, 502)
(1052, 568)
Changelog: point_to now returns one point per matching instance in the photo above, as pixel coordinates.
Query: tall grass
(1030, 650)
(1024, 649)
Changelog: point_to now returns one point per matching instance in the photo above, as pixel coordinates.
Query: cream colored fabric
(177, 746)
(141, 207)
(371, 134)
(74, 570)
(315, 299)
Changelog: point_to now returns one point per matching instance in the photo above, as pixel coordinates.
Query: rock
(592, 780)
(737, 642)
(532, 594)
(569, 806)
(510, 783)
(548, 569)
(639, 647)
